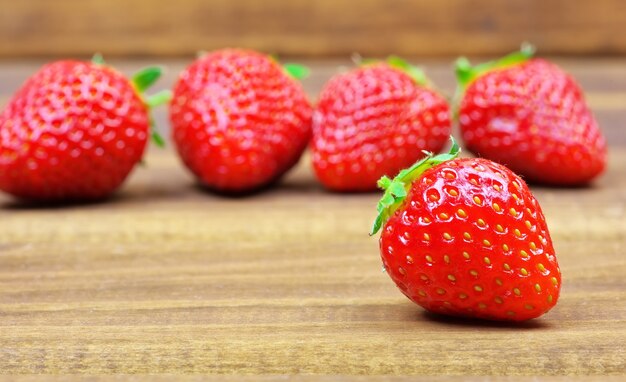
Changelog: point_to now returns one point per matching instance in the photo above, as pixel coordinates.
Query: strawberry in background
(75, 130)
(531, 116)
(239, 119)
(373, 121)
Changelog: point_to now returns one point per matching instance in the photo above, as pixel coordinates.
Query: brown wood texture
(166, 278)
(311, 28)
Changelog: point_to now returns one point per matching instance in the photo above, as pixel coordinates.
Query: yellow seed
(532, 246)
(461, 213)
(517, 186)
(486, 243)
(517, 232)
(447, 236)
(426, 237)
(473, 273)
(517, 291)
(523, 253)
(434, 197)
(451, 278)
(481, 222)
(528, 306)
(554, 281)
(538, 287)
(482, 306)
(496, 187)
(510, 313)
(498, 300)
(528, 225)
(513, 212)
(487, 261)
(515, 197)
(424, 277)
(462, 296)
(446, 303)
(443, 216)
(474, 182)
(440, 291)
(541, 268)
(478, 288)
(499, 228)
(409, 259)
(549, 298)
(402, 271)
(429, 259)
(499, 282)
(524, 271)
(496, 207)
(427, 220)
(421, 293)
(467, 236)
(507, 267)
(446, 258)
(477, 200)
(466, 255)
(453, 192)
(505, 247)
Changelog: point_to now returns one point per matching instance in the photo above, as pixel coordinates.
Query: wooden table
(167, 278)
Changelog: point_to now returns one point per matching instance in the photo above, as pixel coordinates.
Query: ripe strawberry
(532, 117)
(465, 237)
(74, 131)
(375, 121)
(239, 120)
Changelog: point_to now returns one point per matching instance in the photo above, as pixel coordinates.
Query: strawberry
(239, 120)
(532, 117)
(466, 237)
(373, 121)
(74, 131)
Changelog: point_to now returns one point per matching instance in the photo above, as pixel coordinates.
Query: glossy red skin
(374, 121)
(239, 121)
(418, 229)
(534, 119)
(73, 131)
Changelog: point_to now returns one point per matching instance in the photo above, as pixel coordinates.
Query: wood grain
(307, 28)
(168, 279)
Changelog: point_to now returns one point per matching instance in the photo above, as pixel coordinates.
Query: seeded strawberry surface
(239, 121)
(74, 130)
(471, 240)
(533, 118)
(374, 121)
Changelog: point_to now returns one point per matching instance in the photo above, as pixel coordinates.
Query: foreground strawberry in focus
(532, 117)
(373, 121)
(74, 131)
(239, 120)
(465, 237)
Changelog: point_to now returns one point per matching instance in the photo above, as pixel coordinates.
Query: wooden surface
(311, 28)
(168, 279)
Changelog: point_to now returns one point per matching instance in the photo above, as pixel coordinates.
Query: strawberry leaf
(297, 71)
(157, 99)
(97, 59)
(146, 78)
(396, 189)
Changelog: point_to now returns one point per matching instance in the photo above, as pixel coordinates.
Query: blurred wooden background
(320, 28)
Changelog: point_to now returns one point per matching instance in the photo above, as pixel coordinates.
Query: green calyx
(397, 189)
(296, 71)
(142, 81)
(416, 73)
(466, 73)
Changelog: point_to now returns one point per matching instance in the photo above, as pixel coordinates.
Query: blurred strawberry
(239, 120)
(74, 131)
(373, 121)
(531, 116)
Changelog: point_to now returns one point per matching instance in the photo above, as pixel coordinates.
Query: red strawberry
(375, 121)
(73, 131)
(465, 237)
(531, 116)
(239, 120)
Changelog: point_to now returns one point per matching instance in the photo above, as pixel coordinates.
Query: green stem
(397, 189)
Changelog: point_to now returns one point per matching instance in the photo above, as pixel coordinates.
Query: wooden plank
(305, 28)
(168, 279)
